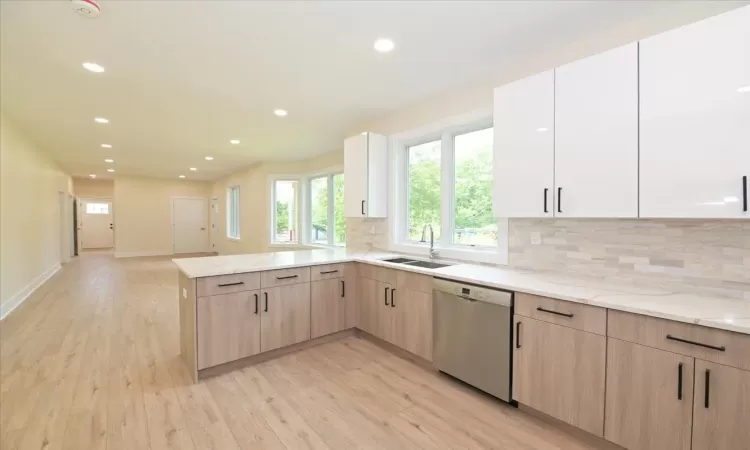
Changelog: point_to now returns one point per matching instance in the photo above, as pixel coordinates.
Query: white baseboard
(138, 254)
(13, 303)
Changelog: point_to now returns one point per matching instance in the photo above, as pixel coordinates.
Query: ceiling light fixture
(193, 169)
(744, 88)
(106, 145)
(109, 160)
(209, 158)
(384, 45)
(280, 112)
(93, 175)
(101, 120)
(181, 176)
(234, 142)
(110, 170)
(93, 67)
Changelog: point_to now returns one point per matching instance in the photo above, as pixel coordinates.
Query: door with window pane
(96, 224)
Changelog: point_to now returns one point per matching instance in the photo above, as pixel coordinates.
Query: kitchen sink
(400, 260)
(427, 264)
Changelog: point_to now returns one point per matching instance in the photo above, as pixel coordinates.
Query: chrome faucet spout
(432, 253)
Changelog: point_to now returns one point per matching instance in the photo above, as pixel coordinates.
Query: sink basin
(427, 264)
(400, 260)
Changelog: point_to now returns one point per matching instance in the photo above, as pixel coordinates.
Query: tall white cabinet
(524, 152)
(695, 119)
(366, 176)
(596, 135)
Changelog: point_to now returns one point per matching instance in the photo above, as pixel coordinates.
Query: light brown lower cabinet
(228, 327)
(375, 314)
(721, 409)
(649, 398)
(560, 371)
(285, 316)
(412, 322)
(327, 307)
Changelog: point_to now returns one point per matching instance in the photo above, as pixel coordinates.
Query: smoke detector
(86, 8)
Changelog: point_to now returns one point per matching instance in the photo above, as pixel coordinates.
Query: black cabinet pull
(545, 199)
(232, 284)
(256, 303)
(708, 387)
(287, 278)
(266, 295)
(744, 193)
(343, 289)
(559, 199)
(363, 207)
(329, 271)
(518, 334)
(568, 315)
(679, 381)
(386, 296)
(392, 302)
(712, 347)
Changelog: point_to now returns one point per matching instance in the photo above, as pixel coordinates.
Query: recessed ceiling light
(280, 112)
(209, 158)
(234, 141)
(101, 120)
(93, 67)
(744, 88)
(106, 145)
(542, 129)
(108, 160)
(182, 176)
(110, 170)
(93, 175)
(384, 45)
(193, 169)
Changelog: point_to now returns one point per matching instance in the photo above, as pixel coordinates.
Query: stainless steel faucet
(432, 253)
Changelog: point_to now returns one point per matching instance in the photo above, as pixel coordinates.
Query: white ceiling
(184, 77)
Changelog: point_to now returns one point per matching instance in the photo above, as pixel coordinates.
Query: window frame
(331, 214)
(445, 131)
(299, 213)
(231, 211)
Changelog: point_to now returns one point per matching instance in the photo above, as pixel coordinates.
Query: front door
(96, 224)
(190, 219)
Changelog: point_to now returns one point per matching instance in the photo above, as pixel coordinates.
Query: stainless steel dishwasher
(472, 335)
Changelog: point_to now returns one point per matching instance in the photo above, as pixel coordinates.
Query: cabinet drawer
(284, 277)
(719, 346)
(227, 284)
(378, 273)
(574, 315)
(328, 271)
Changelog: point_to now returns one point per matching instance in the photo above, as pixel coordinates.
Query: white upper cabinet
(366, 176)
(523, 162)
(596, 135)
(695, 119)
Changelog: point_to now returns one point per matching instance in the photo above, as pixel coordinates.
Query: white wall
(30, 236)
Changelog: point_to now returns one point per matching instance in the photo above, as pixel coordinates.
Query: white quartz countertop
(715, 312)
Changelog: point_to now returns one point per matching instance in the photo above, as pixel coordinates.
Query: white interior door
(96, 224)
(190, 230)
(214, 223)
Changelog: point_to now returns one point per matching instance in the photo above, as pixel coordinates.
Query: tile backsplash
(366, 234)
(700, 256)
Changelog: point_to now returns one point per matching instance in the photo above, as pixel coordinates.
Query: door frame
(79, 219)
(213, 224)
(206, 205)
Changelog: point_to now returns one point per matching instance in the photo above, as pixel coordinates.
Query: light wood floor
(91, 361)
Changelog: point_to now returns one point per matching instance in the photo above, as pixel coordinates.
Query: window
(448, 184)
(285, 201)
(327, 222)
(97, 208)
(233, 212)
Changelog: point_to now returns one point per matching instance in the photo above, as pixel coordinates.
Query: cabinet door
(596, 135)
(560, 371)
(721, 412)
(371, 305)
(647, 405)
(694, 116)
(352, 296)
(327, 307)
(355, 176)
(285, 316)
(228, 327)
(377, 176)
(524, 154)
(412, 321)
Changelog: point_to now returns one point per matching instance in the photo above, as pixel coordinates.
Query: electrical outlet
(536, 238)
